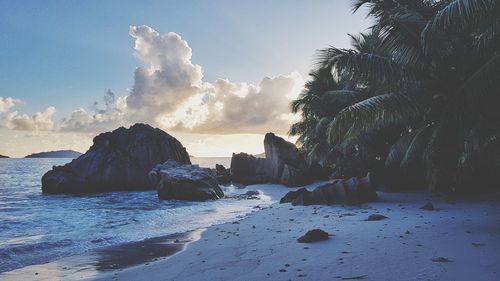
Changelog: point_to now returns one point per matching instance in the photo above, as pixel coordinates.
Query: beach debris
(376, 217)
(441, 259)
(428, 206)
(313, 236)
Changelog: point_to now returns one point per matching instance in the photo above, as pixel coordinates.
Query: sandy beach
(459, 240)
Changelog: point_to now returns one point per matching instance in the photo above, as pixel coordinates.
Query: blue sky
(61, 56)
(66, 53)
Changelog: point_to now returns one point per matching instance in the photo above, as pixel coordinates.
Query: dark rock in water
(117, 161)
(249, 195)
(247, 169)
(313, 236)
(428, 206)
(376, 217)
(56, 154)
(351, 191)
(222, 174)
(285, 164)
(2, 156)
(185, 182)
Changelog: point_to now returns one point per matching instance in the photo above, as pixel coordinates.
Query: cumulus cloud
(40, 121)
(7, 103)
(95, 119)
(169, 92)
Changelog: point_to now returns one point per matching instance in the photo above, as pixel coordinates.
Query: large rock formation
(247, 169)
(284, 164)
(118, 160)
(351, 191)
(185, 182)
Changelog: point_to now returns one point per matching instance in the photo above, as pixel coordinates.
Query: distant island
(55, 154)
(3, 156)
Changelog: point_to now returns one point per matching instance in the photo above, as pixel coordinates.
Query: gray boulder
(117, 161)
(185, 182)
(248, 169)
(352, 191)
(285, 164)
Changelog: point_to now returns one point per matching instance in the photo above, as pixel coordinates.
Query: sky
(216, 74)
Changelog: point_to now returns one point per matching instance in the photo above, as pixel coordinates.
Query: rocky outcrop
(185, 182)
(2, 156)
(283, 164)
(222, 175)
(351, 191)
(247, 169)
(117, 161)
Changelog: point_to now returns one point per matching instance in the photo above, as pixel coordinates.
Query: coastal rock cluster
(142, 157)
(185, 182)
(352, 191)
(118, 160)
(283, 164)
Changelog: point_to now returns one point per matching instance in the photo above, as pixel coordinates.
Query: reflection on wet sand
(118, 257)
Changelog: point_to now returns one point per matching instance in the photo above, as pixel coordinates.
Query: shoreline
(406, 246)
(112, 258)
(125, 255)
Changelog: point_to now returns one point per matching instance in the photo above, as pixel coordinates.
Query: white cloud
(7, 103)
(169, 92)
(41, 121)
(95, 119)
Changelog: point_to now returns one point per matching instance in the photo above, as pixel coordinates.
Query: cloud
(97, 119)
(167, 77)
(7, 103)
(169, 92)
(41, 121)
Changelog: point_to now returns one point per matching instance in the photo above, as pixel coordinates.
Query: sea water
(37, 228)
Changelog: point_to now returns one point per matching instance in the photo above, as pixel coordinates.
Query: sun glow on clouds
(169, 92)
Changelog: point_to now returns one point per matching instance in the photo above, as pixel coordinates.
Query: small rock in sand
(440, 259)
(376, 217)
(313, 236)
(428, 206)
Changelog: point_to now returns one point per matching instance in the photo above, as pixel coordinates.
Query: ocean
(37, 228)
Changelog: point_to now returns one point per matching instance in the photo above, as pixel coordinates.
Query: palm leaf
(373, 114)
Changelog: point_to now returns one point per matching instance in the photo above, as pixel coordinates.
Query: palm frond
(373, 114)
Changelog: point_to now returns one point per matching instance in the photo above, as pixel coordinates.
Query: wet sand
(114, 258)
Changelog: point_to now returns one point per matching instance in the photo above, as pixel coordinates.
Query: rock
(247, 169)
(185, 182)
(222, 174)
(428, 206)
(313, 236)
(249, 195)
(376, 217)
(3, 156)
(352, 191)
(440, 259)
(117, 161)
(285, 164)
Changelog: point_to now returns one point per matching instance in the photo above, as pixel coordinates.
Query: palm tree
(434, 81)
